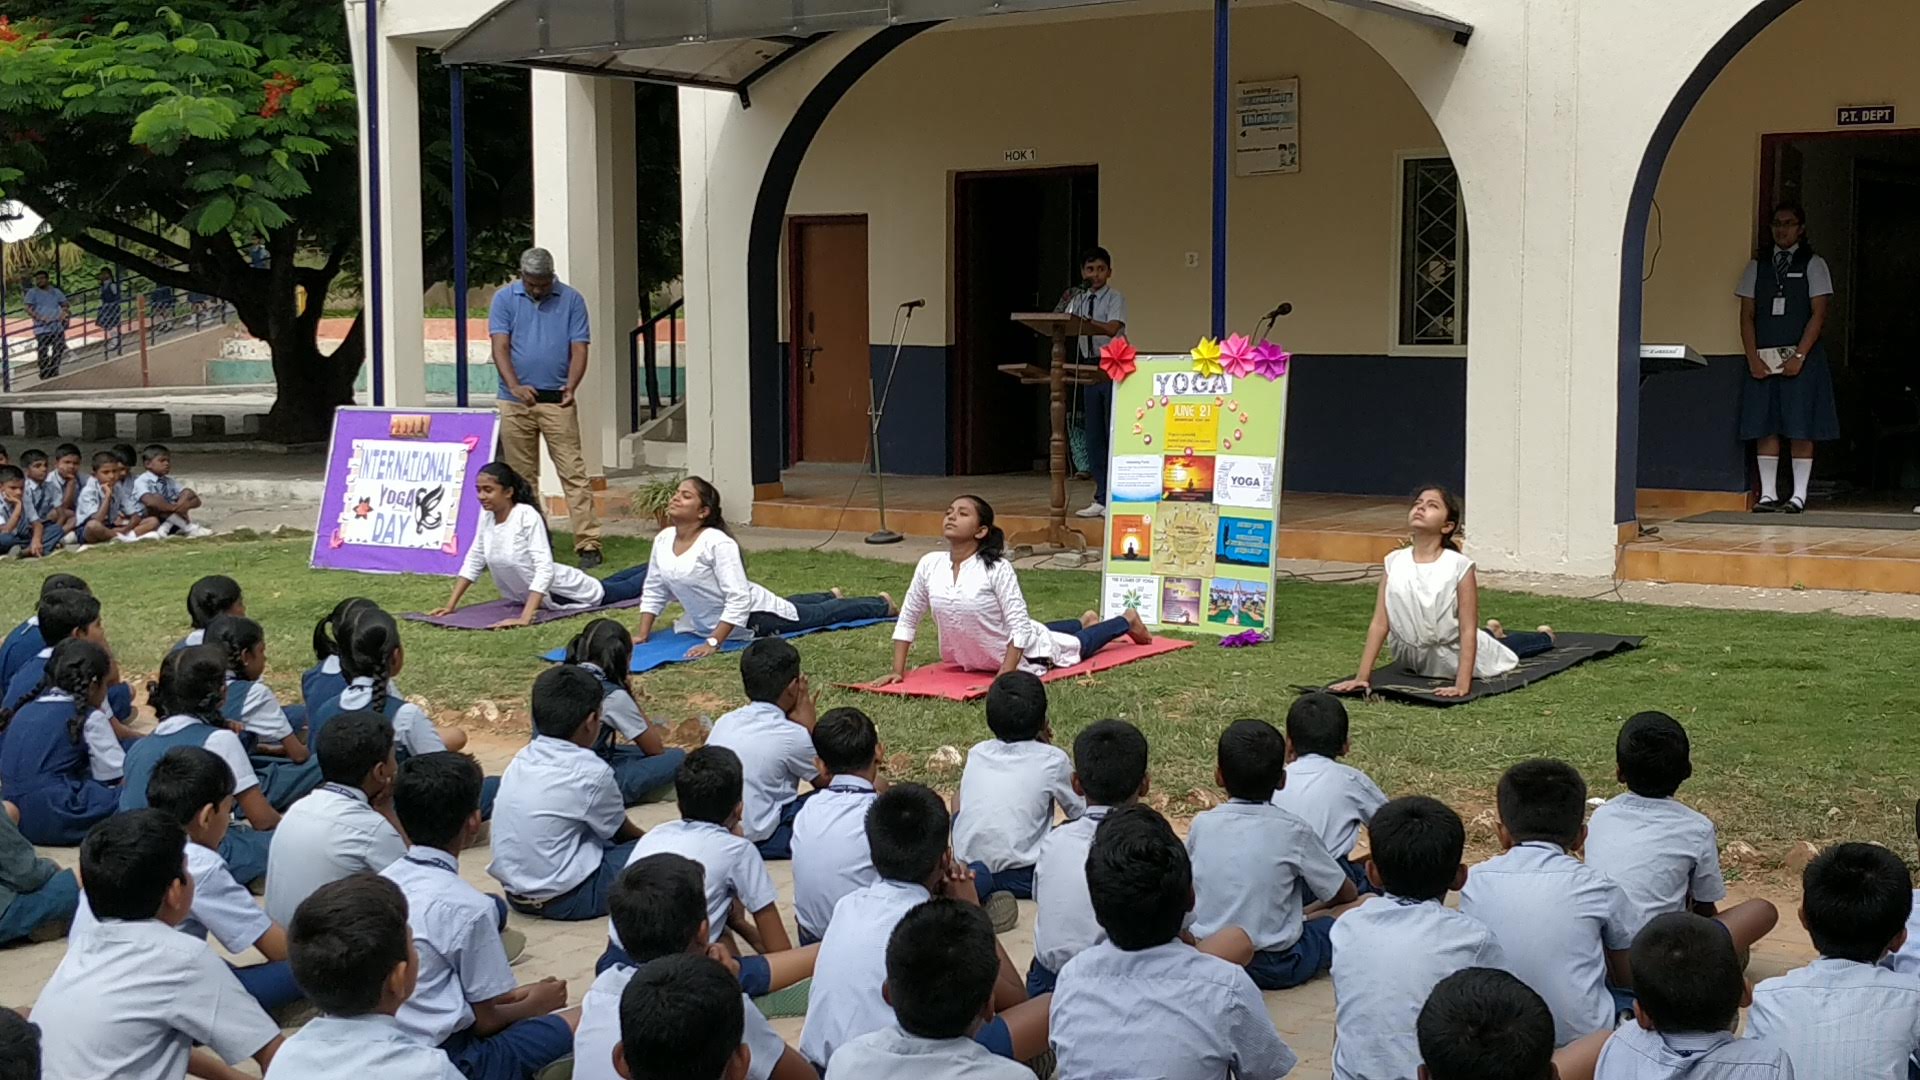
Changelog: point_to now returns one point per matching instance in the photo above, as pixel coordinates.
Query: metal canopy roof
(727, 44)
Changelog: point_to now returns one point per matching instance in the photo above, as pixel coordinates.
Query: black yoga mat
(1571, 650)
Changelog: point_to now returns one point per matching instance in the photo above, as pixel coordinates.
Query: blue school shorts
(1282, 969)
(520, 1050)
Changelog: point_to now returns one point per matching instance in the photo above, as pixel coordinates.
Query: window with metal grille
(1433, 254)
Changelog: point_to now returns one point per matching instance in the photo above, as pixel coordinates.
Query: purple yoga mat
(482, 616)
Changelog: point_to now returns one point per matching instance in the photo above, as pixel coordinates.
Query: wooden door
(830, 354)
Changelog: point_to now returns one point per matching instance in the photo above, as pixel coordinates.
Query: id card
(1779, 306)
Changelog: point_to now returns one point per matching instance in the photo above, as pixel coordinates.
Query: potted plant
(652, 498)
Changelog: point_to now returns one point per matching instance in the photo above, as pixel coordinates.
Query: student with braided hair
(644, 765)
(43, 760)
(370, 658)
(189, 695)
(323, 682)
(208, 599)
(270, 733)
(63, 614)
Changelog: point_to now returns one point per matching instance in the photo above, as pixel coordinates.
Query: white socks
(1802, 472)
(1769, 476)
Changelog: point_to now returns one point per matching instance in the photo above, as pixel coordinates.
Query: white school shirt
(618, 710)
(331, 833)
(775, 755)
(1663, 852)
(88, 502)
(262, 713)
(1555, 919)
(42, 498)
(147, 483)
(194, 637)
(599, 1031)
(891, 1052)
(221, 906)
(456, 931)
(519, 555)
(1007, 796)
(830, 853)
(412, 730)
(1423, 618)
(106, 758)
(222, 742)
(1336, 800)
(1170, 1012)
(1907, 959)
(1104, 304)
(1819, 276)
(359, 1048)
(558, 808)
(845, 1001)
(1064, 925)
(130, 1000)
(978, 613)
(733, 868)
(709, 581)
(1840, 1020)
(1388, 955)
(126, 499)
(1250, 862)
(1634, 1053)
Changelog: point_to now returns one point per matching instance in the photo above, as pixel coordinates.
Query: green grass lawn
(1803, 726)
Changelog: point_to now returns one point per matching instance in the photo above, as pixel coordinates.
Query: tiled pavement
(1304, 1015)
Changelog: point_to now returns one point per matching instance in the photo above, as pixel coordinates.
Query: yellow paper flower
(1206, 357)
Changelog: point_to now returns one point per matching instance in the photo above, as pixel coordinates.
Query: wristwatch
(713, 643)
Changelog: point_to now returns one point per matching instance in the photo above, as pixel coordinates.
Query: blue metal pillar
(456, 85)
(375, 275)
(1222, 17)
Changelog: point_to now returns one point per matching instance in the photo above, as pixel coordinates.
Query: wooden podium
(1059, 328)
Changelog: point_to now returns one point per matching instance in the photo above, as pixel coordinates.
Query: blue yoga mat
(663, 649)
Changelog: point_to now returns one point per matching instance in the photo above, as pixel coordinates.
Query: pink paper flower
(1236, 356)
(336, 540)
(451, 546)
(1116, 359)
(1270, 361)
(1206, 357)
(470, 442)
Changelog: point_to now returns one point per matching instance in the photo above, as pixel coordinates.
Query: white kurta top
(709, 581)
(978, 611)
(1423, 618)
(520, 557)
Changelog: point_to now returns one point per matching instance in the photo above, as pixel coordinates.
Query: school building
(1481, 212)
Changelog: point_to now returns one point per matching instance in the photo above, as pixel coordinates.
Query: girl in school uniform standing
(980, 612)
(513, 546)
(1429, 593)
(44, 761)
(1784, 295)
(696, 561)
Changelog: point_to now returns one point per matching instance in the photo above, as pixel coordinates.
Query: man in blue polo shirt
(540, 336)
(48, 306)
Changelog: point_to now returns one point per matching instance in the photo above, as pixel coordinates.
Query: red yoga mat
(954, 684)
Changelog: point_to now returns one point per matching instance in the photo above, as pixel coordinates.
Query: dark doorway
(1862, 194)
(1017, 243)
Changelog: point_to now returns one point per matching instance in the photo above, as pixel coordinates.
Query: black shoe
(1767, 506)
(1793, 506)
(589, 559)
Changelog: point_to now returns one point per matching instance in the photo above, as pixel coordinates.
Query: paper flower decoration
(471, 442)
(336, 541)
(451, 545)
(1116, 359)
(1206, 357)
(1236, 356)
(1244, 639)
(1270, 361)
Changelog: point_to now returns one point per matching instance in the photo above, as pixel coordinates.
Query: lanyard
(429, 862)
(346, 792)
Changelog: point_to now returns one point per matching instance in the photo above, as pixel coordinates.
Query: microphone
(1282, 310)
(911, 304)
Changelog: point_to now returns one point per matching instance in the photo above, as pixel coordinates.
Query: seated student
(208, 599)
(161, 496)
(1391, 951)
(23, 641)
(42, 493)
(64, 482)
(1336, 800)
(660, 909)
(251, 703)
(63, 614)
(346, 824)
(907, 839)
(1660, 851)
(1145, 1002)
(19, 1047)
(467, 1002)
(21, 531)
(1689, 989)
(773, 734)
(133, 996)
(740, 895)
(1484, 1024)
(353, 956)
(43, 754)
(323, 682)
(1842, 1015)
(830, 857)
(99, 511)
(646, 764)
(1906, 958)
(1563, 925)
(37, 898)
(679, 1020)
(370, 658)
(1008, 794)
(1255, 865)
(941, 973)
(560, 830)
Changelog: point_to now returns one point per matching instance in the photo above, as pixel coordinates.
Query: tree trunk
(311, 384)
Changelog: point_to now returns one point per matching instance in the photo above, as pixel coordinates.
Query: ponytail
(993, 546)
(45, 684)
(331, 630)
(515, 484)
(238, 636)
(606, 645)
(372, 639)
(192, 683)
(211, 597)
(710, 502)
(76, 667)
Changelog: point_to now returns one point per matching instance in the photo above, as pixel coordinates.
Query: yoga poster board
(1194, 500)
(399, 489)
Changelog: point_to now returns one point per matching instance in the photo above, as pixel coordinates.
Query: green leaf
(187, 45)
(216, 215)
(77, 90)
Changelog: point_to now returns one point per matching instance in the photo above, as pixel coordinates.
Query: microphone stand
(876, 407)
(1265, 326)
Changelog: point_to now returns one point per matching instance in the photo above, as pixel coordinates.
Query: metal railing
(643, 360)
(103, 323)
